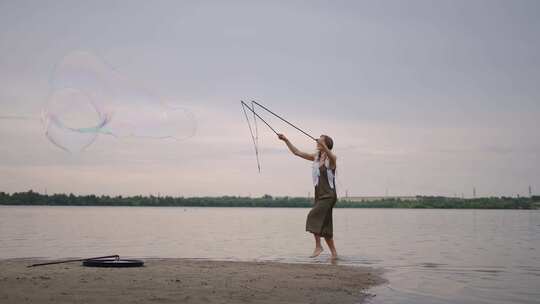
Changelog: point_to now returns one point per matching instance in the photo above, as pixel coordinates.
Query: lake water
(431, 256)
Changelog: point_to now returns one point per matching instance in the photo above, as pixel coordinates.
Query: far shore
(186, 281)
(413, 202)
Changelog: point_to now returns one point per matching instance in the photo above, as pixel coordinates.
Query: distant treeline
(34, 198)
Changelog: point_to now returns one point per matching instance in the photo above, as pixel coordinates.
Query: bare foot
(334, 256)
(316, 252)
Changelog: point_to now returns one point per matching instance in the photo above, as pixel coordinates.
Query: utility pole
(530, 191)
(474, 192)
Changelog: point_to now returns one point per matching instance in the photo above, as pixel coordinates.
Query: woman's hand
(282, 137)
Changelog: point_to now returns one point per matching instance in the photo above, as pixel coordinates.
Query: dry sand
(185, 281)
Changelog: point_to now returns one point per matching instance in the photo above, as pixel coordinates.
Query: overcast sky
(421, 97)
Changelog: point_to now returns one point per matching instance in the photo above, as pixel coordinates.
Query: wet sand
(185, 281)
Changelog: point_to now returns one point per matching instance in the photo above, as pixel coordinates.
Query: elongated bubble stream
(88, 98)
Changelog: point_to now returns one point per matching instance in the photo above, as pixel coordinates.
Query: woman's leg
(318, 246)
(332, 246)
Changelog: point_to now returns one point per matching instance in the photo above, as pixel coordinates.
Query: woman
(319, 220)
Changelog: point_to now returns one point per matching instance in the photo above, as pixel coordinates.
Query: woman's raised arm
(295, 151)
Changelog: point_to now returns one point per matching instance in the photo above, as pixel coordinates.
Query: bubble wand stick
(283, 119)
(244, 105)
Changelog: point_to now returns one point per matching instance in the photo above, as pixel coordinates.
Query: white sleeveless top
(316, 171)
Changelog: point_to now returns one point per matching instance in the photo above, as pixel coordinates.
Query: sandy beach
(185, 281)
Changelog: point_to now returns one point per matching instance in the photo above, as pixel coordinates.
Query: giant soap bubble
(88, 99)
(72, 120)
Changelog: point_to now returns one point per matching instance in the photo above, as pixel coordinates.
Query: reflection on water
(430, 256)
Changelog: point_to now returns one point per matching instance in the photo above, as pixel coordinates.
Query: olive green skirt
(319, 219)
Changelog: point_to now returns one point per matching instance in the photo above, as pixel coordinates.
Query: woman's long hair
(329, 143)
